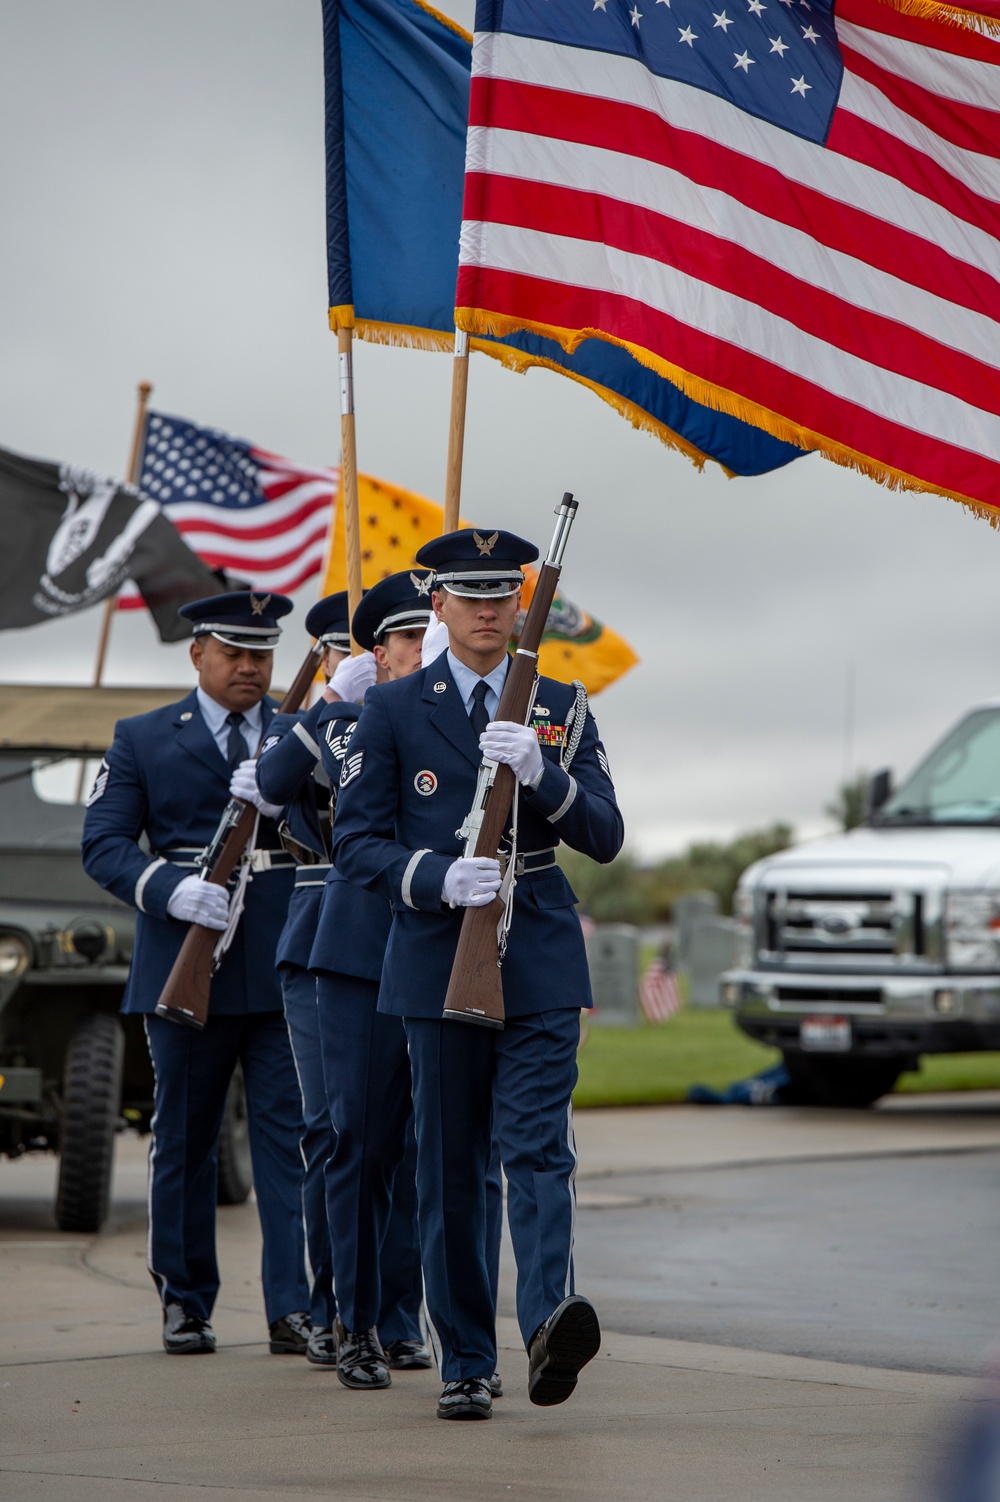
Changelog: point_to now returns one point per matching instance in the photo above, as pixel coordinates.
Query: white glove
(515, 745)
(471, 881)
(353, 677)
(436, 641)
(243, 784)
(197, 901)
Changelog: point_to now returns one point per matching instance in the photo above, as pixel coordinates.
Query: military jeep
(72, 1072)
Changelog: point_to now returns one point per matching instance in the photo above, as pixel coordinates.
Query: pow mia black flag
(72, 538)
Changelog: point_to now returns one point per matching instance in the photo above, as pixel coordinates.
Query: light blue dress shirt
(467, 678)
(214, 715)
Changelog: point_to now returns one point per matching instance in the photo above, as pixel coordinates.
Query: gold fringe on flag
(521, 362)
(479, 321)
(952, 15)
(445, 20)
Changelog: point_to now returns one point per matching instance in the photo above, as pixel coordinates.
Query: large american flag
(255, 515)
(792, 211)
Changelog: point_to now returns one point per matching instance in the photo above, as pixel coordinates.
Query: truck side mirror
(879, 790)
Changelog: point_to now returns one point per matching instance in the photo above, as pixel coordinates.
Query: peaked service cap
(395, 604)
(242, 619)
(330, 622)
(478, 561)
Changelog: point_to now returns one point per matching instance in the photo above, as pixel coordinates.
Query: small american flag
(791, 209)
(659, 992)
(240, 508)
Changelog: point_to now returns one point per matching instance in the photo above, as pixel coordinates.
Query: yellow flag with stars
(396, 522)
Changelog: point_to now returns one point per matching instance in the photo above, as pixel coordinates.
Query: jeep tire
(835, 1080)
(235, 1164)
(91, 1105)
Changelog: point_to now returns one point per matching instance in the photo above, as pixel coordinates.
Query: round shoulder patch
(425, 783)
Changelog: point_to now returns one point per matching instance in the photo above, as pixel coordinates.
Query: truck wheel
(816, 1080)
(92, 1090)
(235, 1163)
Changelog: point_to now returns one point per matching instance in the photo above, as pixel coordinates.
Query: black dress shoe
(290, 1336)
(408, 1356)
(470, 1399)
(321, 1348)
(569, 1338)
(361, 1363)
(186, 1334)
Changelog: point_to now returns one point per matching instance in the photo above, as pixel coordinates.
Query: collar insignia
(259, 604)
(439, 688)
(485, 544)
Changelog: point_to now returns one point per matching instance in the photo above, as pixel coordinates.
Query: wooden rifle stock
(185, 996)
(475, 990)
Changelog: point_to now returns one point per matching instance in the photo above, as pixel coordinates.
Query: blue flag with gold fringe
(397, 103)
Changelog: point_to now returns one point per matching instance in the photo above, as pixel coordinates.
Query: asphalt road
(880, 1261)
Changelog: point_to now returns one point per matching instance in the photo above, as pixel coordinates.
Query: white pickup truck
(865, 950)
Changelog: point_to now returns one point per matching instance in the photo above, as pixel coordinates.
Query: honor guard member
(166, 778)
(370, 1178)
(408, 784)
(289, 774)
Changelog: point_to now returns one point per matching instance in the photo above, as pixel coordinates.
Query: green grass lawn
(650, 1065)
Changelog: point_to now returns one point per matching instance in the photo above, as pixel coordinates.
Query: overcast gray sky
(162, 177)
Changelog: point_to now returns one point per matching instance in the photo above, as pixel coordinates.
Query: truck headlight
(15, 957)
(972, 927)
(743, 906)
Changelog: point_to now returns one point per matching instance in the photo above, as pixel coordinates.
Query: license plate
(825, 1034)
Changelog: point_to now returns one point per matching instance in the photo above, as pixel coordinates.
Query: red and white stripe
(851, 289)
(659, 992)
(276, 547)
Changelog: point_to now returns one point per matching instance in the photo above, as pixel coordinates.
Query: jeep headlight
(972, 927)
(15, 957)
(743, 908)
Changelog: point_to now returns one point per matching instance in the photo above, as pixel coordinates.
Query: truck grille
(811, 926)
(807, 995)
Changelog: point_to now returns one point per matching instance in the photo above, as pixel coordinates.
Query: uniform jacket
(166, 779)
(408, 782)
(289, 758)
(353, 926)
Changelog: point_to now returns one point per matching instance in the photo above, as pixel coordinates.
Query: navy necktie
(236, 746)
(477, 714)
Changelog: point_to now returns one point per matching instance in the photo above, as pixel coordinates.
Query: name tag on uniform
(549, 735)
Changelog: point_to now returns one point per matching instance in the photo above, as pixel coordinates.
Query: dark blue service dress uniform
(165, 779)
(371, 1174)
(285, 775)
(408, 783)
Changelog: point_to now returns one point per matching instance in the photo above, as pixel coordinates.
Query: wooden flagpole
(349, 463)
(132, 476)
(456, 432)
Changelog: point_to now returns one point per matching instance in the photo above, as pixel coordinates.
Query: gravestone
(714, 947)
(689, 909)
(613, 953)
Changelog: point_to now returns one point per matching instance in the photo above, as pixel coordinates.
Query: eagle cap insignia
(485, 544)
(421, 583)
(259, 603)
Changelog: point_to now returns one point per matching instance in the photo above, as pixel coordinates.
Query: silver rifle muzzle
(565, 516)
